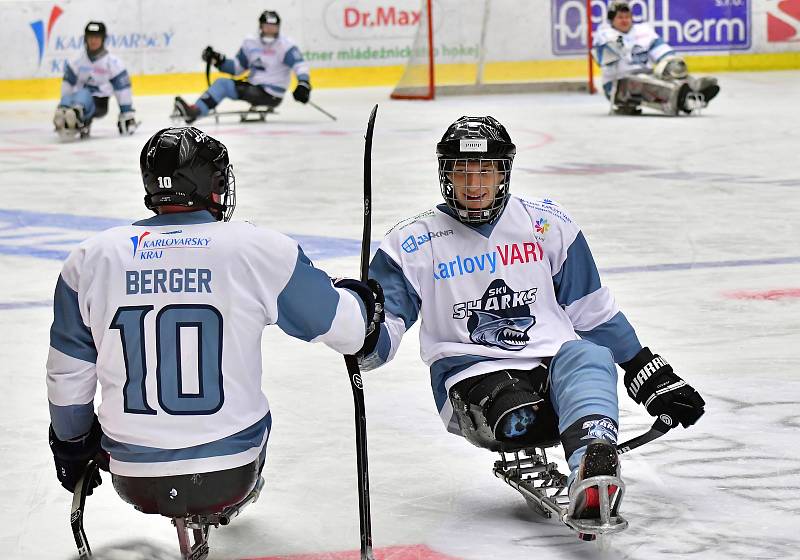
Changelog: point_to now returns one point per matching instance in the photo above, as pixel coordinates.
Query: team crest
(502, 317)
(603, 428)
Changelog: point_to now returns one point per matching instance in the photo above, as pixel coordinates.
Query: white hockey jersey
(621, 54)
(496, 296)
(167, 315)
(102, 77)
(270, 63)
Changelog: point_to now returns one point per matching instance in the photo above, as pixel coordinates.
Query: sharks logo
(502, 317)
(601, 429)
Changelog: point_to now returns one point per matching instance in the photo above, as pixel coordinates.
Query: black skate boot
(188, 113)
(599, 460)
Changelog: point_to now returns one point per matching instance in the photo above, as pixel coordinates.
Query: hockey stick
(352, 363)
(208, 72)
(76, 514)
(327, 114)
(661, 426)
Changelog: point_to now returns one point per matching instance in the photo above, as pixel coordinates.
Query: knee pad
(504, 408)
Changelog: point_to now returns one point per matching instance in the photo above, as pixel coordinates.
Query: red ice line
(765, 295)
(403, 552)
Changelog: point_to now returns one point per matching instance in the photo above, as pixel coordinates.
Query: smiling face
(475, 183)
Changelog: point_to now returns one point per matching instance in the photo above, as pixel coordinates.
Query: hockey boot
(596, 492)
(188, 113)
(67, 121)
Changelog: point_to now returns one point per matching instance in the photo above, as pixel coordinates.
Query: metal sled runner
(544, 488)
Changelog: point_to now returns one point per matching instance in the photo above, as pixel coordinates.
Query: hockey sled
(545, 489)
(528, 471)
(256, 113)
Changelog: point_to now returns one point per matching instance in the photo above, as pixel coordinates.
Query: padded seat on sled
(190, 494)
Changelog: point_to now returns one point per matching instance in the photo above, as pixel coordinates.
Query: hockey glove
(126, 124)
(72, 456)
(302, 92)
(371, 294)
(212, 56)
(650, 381)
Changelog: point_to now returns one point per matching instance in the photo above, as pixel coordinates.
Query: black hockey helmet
(184, 166)
(617, 6)
(269, 16)
(475, 139)
(95, 28)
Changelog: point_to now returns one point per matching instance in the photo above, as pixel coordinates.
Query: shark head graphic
(508, 333)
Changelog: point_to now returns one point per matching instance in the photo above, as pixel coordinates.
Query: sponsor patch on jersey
(145, 247)
(549, 207)
(408, 221)
(508, 254)
(501, 318)
(412, 243)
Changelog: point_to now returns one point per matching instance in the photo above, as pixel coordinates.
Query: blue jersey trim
(307, 304)
(484, 229)
(121, 81)
(237, 443)
(69, 76)
(71, 421)
(617, 335)
(578, 276)
(444, 369)
(68, 334)
(243, 60)
(178, 219)
(292, 57)
(402, 299)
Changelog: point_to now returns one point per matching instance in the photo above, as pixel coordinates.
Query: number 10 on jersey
(174, 323)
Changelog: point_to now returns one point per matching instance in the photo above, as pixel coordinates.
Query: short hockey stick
(352, 363)
(661, 426)
(76, 514)
(324, 112)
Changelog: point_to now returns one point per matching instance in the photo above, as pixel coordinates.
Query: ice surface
(681, 214)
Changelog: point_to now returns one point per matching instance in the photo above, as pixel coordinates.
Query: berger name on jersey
(498, 298)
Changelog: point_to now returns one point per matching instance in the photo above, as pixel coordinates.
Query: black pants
(255, 95)
(100, 107)
(189, 494)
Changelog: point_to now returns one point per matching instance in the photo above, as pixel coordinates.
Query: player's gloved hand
(72, 456)
(650, 381)
(371, 294)
(302, 92)
(212, 56)
(126, 124)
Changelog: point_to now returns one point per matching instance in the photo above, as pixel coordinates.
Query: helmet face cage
(228, 200)
(475, 158)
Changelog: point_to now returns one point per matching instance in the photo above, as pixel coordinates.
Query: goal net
(491, 46)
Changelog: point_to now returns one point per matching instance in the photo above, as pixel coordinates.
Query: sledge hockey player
(520, 336)
(641, 69)
(88, 82)
(270, 58)
(167, 315)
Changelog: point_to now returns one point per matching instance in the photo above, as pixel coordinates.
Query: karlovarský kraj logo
(687, 25)
(54, 48)
(42, 34)
(783, 21)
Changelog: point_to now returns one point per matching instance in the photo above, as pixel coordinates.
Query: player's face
(475, 183)
(269, 30)
(623, 21)
(94, 42)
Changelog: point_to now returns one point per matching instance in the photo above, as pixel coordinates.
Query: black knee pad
(100, 107)
(482, 403)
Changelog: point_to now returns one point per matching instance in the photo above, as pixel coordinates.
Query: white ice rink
(694, 223)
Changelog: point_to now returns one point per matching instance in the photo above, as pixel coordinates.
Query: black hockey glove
(650, 381)
(302, 92)
(212, 56)
(71, 457)
(371, 294)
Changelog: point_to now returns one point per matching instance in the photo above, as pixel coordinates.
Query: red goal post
(464, 47)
